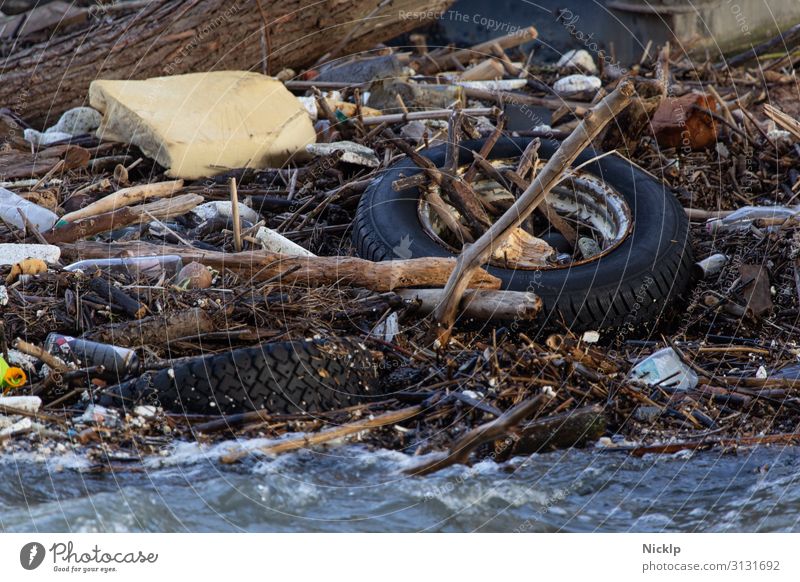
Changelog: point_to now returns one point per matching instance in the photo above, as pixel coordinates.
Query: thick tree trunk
(170, 37)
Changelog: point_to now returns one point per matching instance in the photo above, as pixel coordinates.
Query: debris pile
(205, 255)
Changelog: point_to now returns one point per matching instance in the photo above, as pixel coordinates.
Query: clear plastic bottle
(119, 363)
(149, 266)
(741, 219)
(11, 205)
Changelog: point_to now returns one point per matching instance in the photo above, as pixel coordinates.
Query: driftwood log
(575, 428)
(461, 449)
(304, 271)
(156, 38)
(155, 329)
(481, 304)
(122, 216)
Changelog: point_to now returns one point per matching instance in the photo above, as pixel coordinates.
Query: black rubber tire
(281, 378)
(626, 287)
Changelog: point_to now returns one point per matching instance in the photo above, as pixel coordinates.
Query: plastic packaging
(224, 209)
(119, 363)
(149, 266)
(665, 369)
(576, 84)
(11, 376)
(741, 219)
(11, 205)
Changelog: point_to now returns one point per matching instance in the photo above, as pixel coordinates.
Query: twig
(38, 353)
(237, 224)
(328, 435)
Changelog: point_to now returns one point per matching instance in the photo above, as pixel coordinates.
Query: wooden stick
(237, 224)
(308, 271)
(553, 103)
(125, 197)
(460, 450)
(431, 114)
(117, 296)
(488, 70)
(124, 216)
(478, 253)
(10, 411)
(785, 38)
(33, 350)
(459, 193)
(486, 148)
(481, 304)
(326, 436)
(155, 329)
(433, 64)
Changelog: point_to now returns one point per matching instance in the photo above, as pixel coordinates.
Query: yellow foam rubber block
(203, 124)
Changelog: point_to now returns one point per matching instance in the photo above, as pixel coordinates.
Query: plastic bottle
(665, 369)
(10, 376)
(11, 205)
(119, 363)
(149, 266)
(741, 219)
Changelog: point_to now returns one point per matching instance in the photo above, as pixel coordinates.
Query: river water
(353, 489)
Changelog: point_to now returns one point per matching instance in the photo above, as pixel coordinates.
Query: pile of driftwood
(485, 389)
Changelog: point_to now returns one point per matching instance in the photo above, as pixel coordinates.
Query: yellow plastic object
(10, 376)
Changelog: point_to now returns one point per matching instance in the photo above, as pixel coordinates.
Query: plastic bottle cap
(14, 377)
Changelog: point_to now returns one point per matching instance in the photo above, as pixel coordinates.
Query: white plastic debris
(577, 59)
(576, 84)
(591, 337)
(11, 205)
(277, 243)
(388, 328)
(710, 266)
(75, 121)
(310, 103)
(665, 369)
(22, 426)
(352, 153)
(45, 138)
(13, 253)
(496, 85)
(741, 219)
(761, 373)
(3, 296)
(100, 415)
(21, 360)
(146, 411)
(24, 403)
(223, 208)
